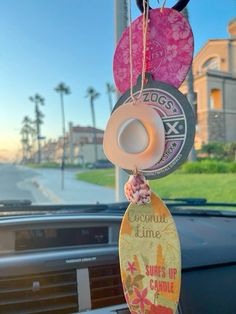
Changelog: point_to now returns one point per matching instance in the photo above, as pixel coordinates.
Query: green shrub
(214, 150)
(218, 151)
(209, 166)
(191, 167)
(232, 167)
(49, 165)
(73, 166)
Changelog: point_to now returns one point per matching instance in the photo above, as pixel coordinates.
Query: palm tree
(24, 145)
(190, 85)
(33, 135)
(110, 90)
(62, 90)
(92, 94)
(38, 100)
(26, 132)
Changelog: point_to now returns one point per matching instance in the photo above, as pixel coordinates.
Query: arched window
(215, 100)
(212, 64)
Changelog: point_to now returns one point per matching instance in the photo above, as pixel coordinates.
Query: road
(44, 186)
(15, 184)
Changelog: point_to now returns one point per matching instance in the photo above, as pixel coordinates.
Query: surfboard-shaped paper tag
(150, 259)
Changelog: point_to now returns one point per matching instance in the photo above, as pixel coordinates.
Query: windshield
(57, 92)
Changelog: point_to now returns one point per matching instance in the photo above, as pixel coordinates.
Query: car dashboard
(65, 260)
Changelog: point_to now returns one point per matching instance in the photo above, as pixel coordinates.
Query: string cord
(163, 6)
(144, 37)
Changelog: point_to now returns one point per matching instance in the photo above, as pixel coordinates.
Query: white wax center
(133, 137)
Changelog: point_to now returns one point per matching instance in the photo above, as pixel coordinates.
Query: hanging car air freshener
(150, 261)
(178, 120)
(149, 134)
(169, 50)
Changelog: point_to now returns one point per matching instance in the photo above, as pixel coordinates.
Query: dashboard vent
(51, 292)
(106, 287)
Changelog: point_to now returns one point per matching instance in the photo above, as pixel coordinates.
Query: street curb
(47, 192)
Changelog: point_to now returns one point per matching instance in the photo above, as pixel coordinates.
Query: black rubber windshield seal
(179, 6)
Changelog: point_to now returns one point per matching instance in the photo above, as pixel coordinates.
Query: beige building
(49, 151)
(214, 70)
(81, 146)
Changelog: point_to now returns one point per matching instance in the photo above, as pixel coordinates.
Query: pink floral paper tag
(169, 49)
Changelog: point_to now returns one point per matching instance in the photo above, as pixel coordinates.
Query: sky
(44, 42)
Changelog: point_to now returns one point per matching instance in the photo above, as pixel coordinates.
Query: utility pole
(190, 94)
(121, 21)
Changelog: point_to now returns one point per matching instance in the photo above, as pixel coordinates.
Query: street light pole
(120, 24)
(64, 140)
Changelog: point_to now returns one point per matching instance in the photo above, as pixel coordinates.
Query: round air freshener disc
(169, 49)
(178, 119)
(150, 261)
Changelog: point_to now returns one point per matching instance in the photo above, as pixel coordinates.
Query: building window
(211, 64)
(215, 99)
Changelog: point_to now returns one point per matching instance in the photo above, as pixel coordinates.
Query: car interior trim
(84, 296)
(60, 218)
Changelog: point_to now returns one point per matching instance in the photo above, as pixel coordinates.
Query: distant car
(100, 164)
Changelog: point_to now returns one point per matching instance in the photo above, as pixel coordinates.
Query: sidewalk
(48, 181)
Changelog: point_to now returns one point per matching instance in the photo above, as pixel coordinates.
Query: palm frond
(62, 88)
